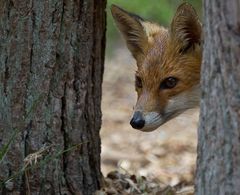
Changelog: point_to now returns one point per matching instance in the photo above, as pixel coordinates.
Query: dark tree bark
(218, 164)
(51, 67)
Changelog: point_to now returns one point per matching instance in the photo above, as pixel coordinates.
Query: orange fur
(161, 53)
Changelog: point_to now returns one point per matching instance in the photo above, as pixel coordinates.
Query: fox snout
(149, 111)
(137, 121)
(146, 121)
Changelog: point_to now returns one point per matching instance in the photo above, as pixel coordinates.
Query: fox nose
(137, 121)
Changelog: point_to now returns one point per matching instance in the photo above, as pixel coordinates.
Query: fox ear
(186, 27)
(130, 25)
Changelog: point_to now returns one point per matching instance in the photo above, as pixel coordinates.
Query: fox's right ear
(186, 28)
(132, 29)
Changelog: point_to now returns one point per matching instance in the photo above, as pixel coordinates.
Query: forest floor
(167, 154)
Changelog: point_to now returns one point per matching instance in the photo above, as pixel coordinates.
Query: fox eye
(138, 82)
(169, 83)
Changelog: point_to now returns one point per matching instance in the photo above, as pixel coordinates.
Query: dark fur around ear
(186, 27)
(133, 32)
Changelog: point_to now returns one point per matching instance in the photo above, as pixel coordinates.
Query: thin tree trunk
(218, 164)
(51, 67)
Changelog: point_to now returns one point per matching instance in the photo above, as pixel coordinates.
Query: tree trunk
(218, 164)
(51, 67)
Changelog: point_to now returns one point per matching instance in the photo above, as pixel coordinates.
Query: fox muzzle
(137, 121)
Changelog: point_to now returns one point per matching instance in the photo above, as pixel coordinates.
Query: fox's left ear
(186, 28)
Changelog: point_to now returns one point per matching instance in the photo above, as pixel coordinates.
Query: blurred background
(169, 153)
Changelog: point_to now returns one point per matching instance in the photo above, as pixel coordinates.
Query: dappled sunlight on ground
(169, 153)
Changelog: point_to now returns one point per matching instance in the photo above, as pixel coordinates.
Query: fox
(167, 80)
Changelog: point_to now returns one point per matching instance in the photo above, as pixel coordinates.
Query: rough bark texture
(218, 164)
(51, 67)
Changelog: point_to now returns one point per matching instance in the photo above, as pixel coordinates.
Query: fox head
(168, 61)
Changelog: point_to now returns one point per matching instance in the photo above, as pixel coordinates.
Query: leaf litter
(134, 162)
